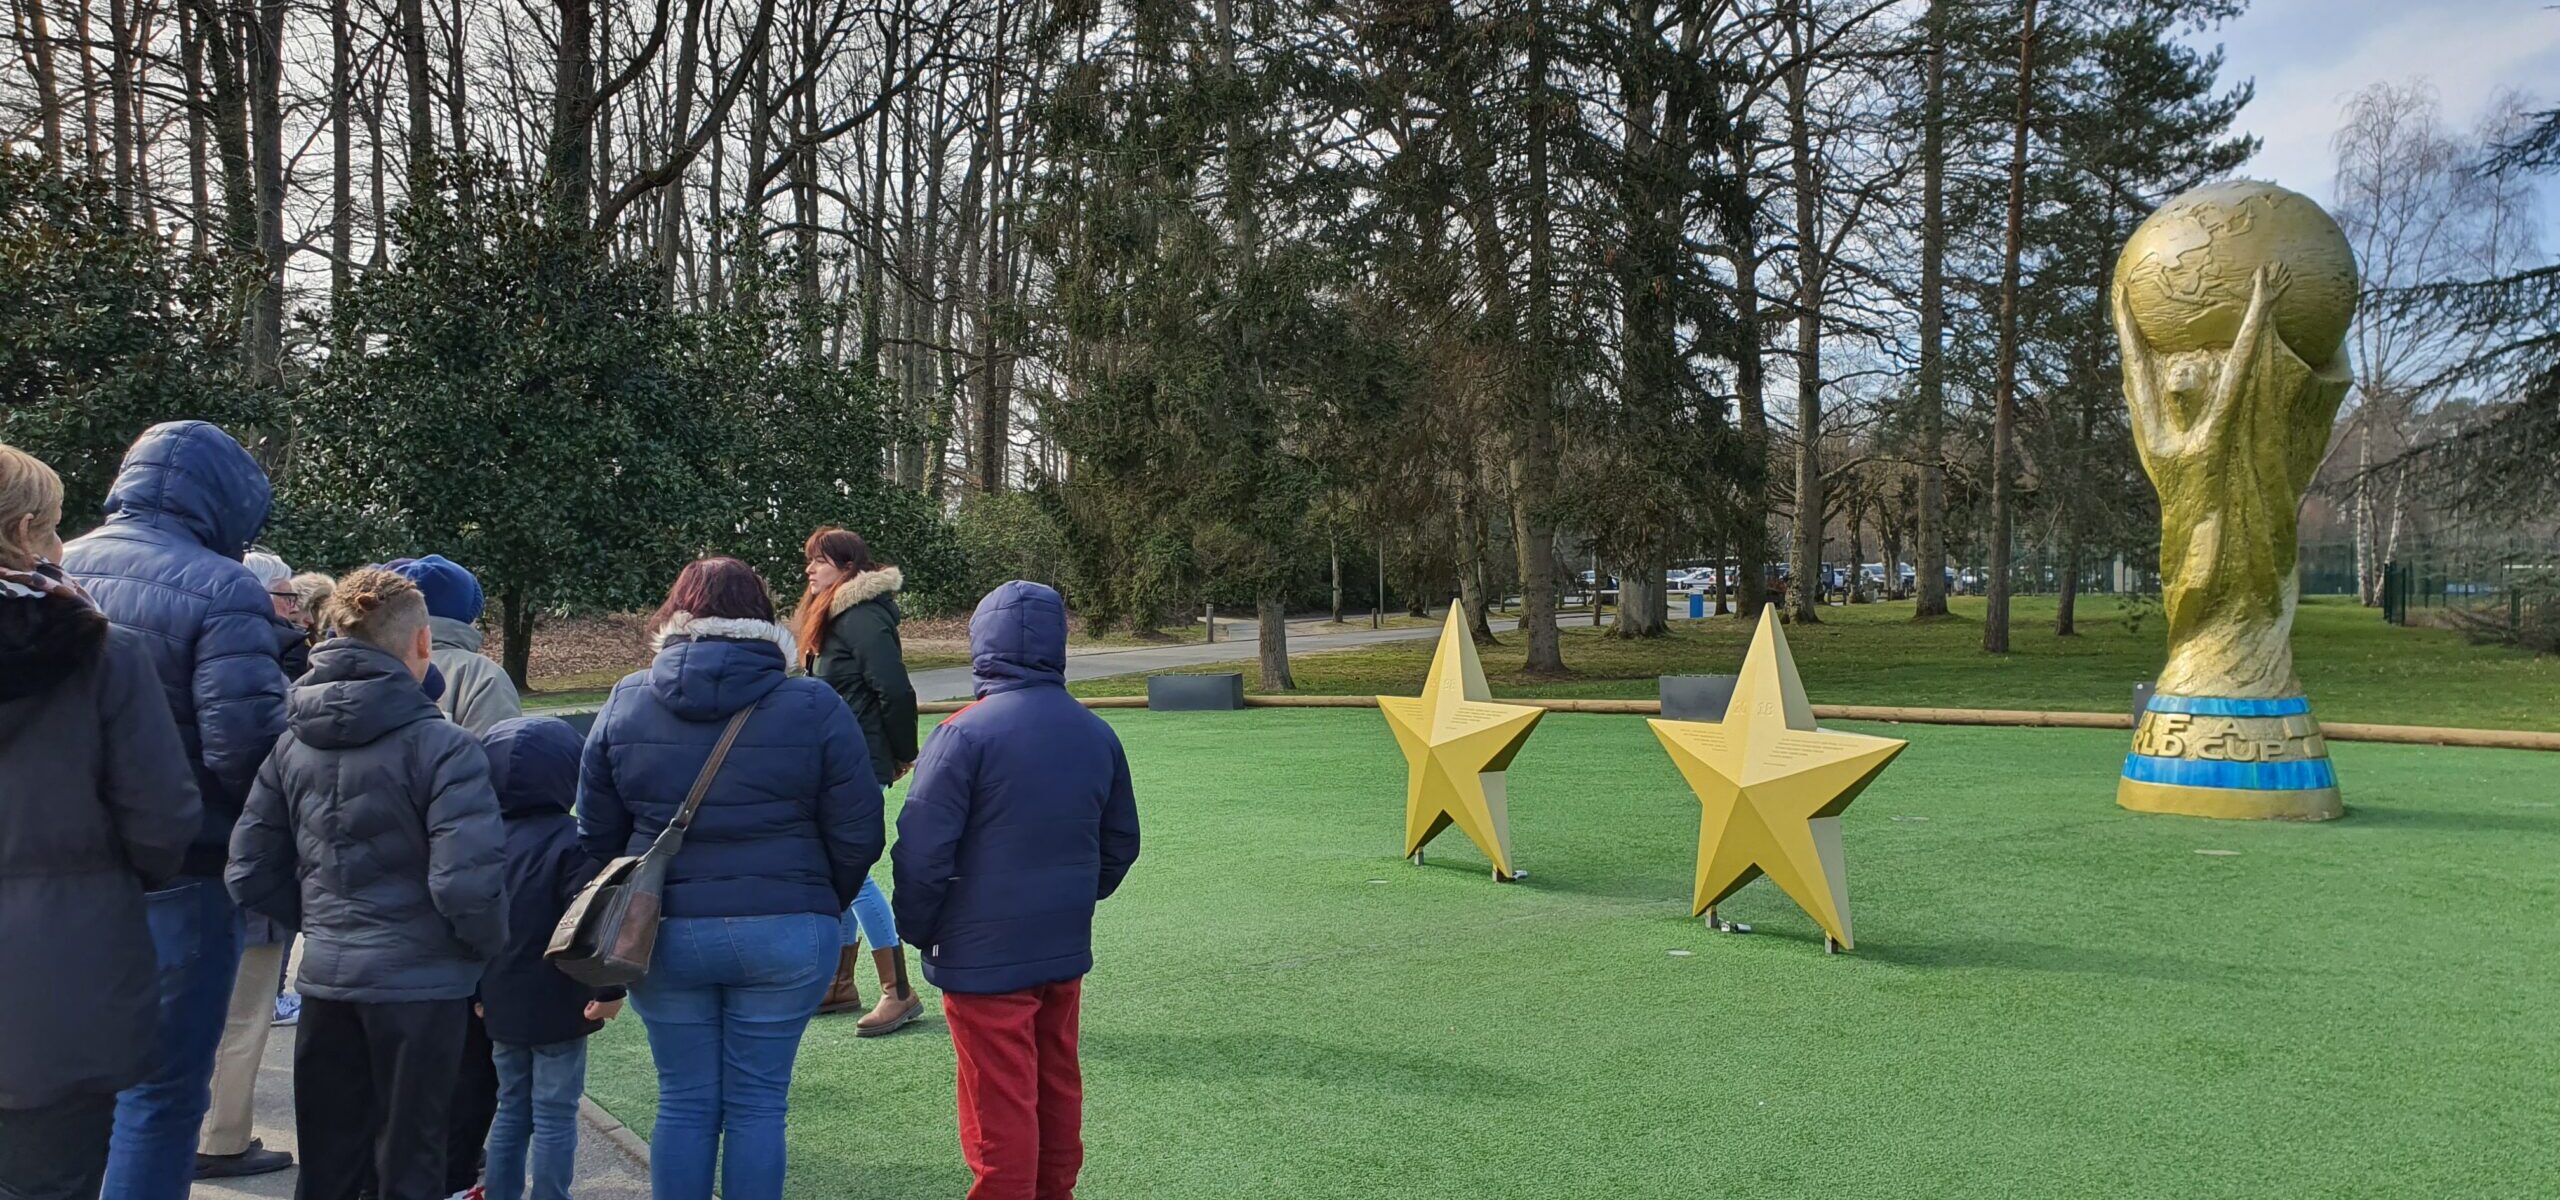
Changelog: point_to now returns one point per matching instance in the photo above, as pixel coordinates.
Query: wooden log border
(2336, 731)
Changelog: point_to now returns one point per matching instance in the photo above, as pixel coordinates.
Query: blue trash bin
(1697, 605)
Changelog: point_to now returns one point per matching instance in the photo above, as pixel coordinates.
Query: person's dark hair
(851, 555)
(715, 587)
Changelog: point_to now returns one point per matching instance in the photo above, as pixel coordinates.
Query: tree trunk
(342, 202)
(1929, 558)
(1533, 451)
(1750, 387)
(515, 628)
(1272, 612)
(1857, 551)
(89, 89)
(230, 105)
(413, 62)
(39, 46)
(456, 96)
(1333, 546)
(2066, 609)
(2360, 510)
(1643, 596)
(994, 407)
(671, 198)
(199, 175)
(264, 343)
(1807, 593)
(570, 157)
(127, 130)
(1467, 516)
(2004, 420)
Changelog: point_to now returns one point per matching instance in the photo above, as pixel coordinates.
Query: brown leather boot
(899, 1004)
(844, 995)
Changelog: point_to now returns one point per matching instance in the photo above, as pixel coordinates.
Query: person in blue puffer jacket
(784, 838)
(538, 1019)
(1020, 819)
(186, 504)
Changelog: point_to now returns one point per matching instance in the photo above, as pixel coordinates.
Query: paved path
(953, 683)
(1237, 644)
(606, 1170)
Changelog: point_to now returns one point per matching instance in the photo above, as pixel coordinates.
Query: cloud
(2309, 56)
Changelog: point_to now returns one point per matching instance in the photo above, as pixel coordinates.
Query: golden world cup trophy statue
(2232, 304)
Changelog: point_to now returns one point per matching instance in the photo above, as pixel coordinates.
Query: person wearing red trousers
(1019, 820)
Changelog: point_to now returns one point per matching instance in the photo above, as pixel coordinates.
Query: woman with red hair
(785, 835)
(848, 630)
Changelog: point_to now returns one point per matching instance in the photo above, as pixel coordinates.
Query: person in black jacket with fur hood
(847, 626)
(97, 804)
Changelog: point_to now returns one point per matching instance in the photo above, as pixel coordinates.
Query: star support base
(1720, 925)
(1830, 944)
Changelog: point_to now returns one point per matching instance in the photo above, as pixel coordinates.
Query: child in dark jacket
(1020, 819)
(372, 830)
(538, 1018)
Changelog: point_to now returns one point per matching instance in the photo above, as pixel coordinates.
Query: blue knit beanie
(451, 592)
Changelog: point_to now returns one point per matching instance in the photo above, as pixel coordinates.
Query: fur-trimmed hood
(48, 630)
(686, 627)
(710, 667)
(869, 585)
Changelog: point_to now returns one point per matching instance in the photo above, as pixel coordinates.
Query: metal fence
(2510, 593)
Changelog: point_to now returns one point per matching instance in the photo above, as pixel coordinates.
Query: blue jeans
(725, 1002)
(868, 919)
(196, 931)
(538, 1090)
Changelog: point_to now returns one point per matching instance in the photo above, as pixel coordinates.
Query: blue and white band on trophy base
(2230, 757)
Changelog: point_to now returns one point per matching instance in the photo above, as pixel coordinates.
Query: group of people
(205, 758)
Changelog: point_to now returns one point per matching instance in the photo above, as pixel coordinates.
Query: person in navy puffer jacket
(538, 1019)
(1020, 819)
(782, 842)
(186, 505)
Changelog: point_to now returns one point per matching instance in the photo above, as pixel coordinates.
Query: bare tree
(2417, 212)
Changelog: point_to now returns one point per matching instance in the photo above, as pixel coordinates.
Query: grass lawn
(2050, 996)
(2355, 667)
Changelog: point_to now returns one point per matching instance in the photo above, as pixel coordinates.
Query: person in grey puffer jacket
(477, 692)
(373, 830)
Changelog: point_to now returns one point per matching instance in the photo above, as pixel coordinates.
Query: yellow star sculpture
(1457, 743)
(1773, 785)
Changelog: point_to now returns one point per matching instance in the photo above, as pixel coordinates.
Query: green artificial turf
(2049, 996)
(2355, 667)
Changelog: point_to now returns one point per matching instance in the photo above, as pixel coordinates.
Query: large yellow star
(1457, 743)
(1773, 785)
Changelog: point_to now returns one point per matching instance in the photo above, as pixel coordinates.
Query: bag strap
(710, 769)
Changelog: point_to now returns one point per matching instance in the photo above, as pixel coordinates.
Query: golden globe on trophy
(2231, 304)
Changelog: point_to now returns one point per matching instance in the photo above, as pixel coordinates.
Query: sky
(2309, 56)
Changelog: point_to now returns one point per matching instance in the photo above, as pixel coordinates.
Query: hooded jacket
(96, 806)
(791, 824)
(373, 830)
(477, 693)
(186, 504)
(1020, 817)
(525, 1001)
(860, 658)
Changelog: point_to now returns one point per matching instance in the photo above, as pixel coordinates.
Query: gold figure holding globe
(2232, 303)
